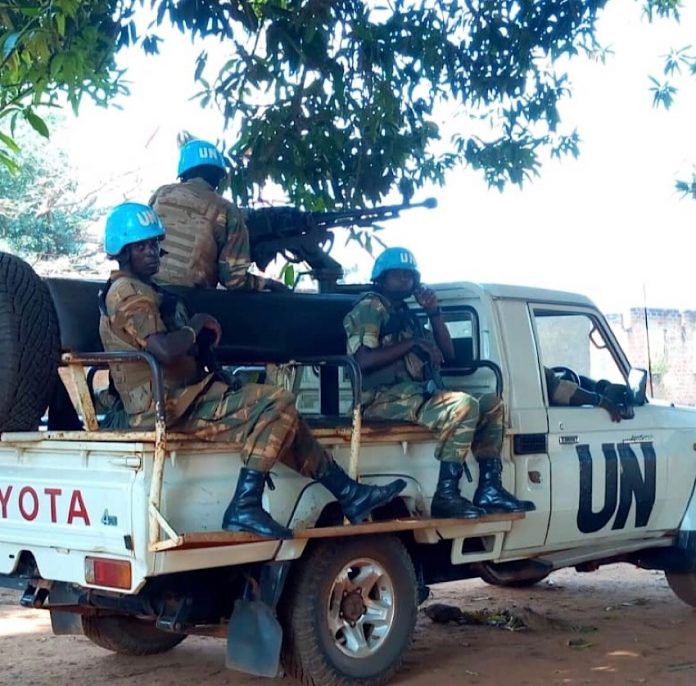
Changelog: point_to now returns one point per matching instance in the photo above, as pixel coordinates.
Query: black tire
(493, 580)
(314, 653)
(683, 586)
(128, 635)
(29, 346)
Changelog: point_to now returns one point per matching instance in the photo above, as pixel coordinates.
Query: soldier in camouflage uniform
(262, 418)
(207, 240)
(399, 362)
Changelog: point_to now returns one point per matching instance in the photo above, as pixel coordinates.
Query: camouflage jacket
(132, 310)
(207, 241)
(376, 322)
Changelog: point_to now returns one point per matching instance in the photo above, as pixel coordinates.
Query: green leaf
(201, 61)
(60, 24)
(663, 93)
(287, 275)
(8, 163)
(9, 142)
(36, 123)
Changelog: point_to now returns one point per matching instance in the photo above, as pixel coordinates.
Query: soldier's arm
(563, 392)
(234, 257)
(136, 318)
(370, 359)
(167, 347)
(363, 325)
(442, 336)
(427, 299)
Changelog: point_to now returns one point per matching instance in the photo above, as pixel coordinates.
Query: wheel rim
(361, 608)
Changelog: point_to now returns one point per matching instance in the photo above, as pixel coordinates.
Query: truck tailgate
(64, 500)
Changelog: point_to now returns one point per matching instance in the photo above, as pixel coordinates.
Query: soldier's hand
(202, 321)
(612, 408)
(431, 350)
(276, 286)
(426, 298)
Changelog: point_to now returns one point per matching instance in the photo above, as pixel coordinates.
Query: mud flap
(66, 623)
(254, 638)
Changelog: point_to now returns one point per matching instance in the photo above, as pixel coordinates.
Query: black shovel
(254, 635)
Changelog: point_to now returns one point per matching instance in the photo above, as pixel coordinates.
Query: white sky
(608, 224)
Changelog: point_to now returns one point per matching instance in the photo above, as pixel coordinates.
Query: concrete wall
(672, 340)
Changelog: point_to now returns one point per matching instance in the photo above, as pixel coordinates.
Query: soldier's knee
(467, 404)
(491, 404)
(284, 399)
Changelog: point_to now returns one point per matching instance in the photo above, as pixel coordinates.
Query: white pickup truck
(117, 534)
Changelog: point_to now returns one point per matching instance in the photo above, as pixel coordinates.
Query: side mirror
(637, 382)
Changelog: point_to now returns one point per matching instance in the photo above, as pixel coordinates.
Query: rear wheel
(349, 612)
(29, 345)
(683, 586)
(521, 574)
(128, 635)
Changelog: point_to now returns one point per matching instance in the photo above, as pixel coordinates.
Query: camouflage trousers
(461, 421)
(263, 419)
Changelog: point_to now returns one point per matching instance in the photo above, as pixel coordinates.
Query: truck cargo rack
(76, 363)
(166, 442)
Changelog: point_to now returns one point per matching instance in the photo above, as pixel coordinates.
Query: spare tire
(29, 346)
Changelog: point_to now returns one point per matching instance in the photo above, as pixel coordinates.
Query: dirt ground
(615, 626)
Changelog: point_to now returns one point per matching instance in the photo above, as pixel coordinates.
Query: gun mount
(301, 236)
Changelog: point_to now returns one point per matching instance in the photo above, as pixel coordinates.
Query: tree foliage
(335, 100)
(678, 62)
(41, 209)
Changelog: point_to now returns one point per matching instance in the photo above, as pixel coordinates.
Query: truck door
(606, 477)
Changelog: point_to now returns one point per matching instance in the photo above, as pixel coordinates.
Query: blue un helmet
(395, 258)
(130, 222)
(199, 153)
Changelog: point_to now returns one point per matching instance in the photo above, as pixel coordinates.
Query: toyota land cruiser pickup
(117, 533)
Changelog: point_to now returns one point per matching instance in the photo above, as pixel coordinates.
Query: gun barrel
(278, 229)
(367, 215)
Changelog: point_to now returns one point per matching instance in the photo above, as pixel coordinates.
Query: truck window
(462, 324)
(575, 341)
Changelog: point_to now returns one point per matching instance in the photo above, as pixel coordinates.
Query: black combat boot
(490, 494)
(448, 501)
(357, 500)
(245, 513)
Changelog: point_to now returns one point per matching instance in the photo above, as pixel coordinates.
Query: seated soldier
(262, 418)
(399, 361)
(564, 392)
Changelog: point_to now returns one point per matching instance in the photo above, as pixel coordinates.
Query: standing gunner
(207, 240)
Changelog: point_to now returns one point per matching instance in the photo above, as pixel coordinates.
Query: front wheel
(349, 612)
(128, 635)
(683, 586)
